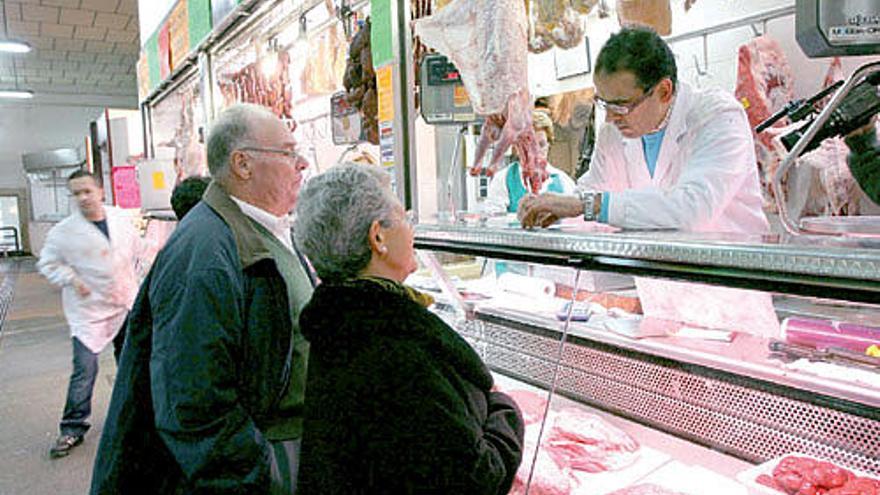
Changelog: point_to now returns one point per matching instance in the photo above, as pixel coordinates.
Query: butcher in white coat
(668, 156)
(91, 254)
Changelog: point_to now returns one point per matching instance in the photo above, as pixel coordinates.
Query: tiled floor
(35, 365)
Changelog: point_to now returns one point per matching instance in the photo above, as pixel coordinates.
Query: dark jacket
(205, 367)
(397, 402)
(864, 163)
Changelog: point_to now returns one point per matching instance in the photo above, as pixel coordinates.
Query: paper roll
(526, 286)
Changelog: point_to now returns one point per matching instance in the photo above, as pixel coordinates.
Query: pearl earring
(383, 249)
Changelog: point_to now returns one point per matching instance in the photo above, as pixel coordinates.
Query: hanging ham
(764, 84)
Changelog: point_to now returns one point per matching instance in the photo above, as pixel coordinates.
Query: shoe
(64, 444)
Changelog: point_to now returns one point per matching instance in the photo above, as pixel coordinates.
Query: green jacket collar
(251, 247)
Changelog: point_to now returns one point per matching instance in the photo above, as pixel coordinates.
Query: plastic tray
(749, 476)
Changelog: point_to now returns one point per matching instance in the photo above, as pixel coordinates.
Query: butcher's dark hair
(639, 50)
(78, 174)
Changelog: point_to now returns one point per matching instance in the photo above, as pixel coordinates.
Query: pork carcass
(487, 41)
(764, 85)
(656, 14)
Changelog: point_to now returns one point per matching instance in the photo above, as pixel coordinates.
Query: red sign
(125, 187)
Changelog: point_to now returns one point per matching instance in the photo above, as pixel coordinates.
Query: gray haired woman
(396, 401)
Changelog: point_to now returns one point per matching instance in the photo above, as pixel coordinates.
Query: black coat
(397, 402)
(205, 365)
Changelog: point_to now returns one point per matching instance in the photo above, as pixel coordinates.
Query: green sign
(199, 12)
(380, 34)
(152, 48)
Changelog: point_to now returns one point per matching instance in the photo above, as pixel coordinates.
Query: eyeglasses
(624, 108)
(293, 155)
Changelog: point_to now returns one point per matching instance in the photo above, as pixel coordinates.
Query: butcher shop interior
(657, 222)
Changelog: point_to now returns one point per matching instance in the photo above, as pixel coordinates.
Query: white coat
(76, 250)
(706, 179)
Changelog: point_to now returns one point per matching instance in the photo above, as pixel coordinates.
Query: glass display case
(666, 359)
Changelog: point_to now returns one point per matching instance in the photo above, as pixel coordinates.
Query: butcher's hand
(546, 209)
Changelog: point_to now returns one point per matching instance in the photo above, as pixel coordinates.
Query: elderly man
(669, 156)
(209, 395)
(91, 254)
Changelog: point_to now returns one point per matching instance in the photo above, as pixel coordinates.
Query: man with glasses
(209, 394)
(668, 157)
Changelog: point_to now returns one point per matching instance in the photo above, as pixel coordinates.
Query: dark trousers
(78, 406)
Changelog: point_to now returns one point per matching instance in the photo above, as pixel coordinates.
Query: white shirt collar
(278, 226)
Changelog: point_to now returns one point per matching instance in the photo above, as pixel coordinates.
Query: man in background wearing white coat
(91, 254)
(673, 157)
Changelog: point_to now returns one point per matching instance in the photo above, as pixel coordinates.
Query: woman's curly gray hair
(333, 217)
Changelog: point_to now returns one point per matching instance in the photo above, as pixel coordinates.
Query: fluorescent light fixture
(13, 46)
(20, 94)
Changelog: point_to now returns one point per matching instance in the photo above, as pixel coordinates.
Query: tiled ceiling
(85, 51)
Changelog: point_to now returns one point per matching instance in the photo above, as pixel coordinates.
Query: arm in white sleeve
(722, 158)
(52, 263)
(598, 176)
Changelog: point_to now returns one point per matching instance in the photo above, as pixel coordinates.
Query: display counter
(696, 338)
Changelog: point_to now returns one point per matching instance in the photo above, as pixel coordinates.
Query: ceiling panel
(82, 48)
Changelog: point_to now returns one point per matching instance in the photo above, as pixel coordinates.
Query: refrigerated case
(684, 406)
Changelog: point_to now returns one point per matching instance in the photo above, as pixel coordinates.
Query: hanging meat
(557, 23)
(360, 82)
(764, 84)
(487, 41)
(325, 67)
(655, 14)
(251, 85)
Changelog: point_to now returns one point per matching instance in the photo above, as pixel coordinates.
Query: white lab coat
(76, 249)
(706, 179)
(498, 197)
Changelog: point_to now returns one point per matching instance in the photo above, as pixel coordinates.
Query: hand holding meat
(547, 209)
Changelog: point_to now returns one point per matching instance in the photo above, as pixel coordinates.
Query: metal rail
(748, 20)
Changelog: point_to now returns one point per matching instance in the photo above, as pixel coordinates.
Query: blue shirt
(651, 146)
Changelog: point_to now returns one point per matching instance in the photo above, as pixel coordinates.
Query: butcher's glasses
(624, 108)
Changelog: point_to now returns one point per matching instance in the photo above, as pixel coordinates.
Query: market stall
(657, 361)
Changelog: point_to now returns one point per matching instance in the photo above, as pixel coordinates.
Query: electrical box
(444, 101)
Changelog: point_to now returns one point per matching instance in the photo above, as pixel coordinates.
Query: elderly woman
(396, 401)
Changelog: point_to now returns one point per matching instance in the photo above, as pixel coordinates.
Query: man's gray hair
(230, 131)
(334, 213)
